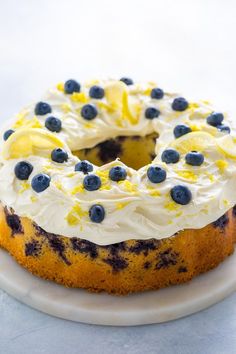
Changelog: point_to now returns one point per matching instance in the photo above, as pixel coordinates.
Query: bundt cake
(118, 186)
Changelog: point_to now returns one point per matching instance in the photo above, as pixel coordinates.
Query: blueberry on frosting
(157, 93)
(179, 104)
(152, 112)
(127, 81)
(89, 112)
(156, 174)
(23, 170)
(53, 124)
(96, 213)
(59, 155)
(181, 129)
(170, 156)
(181, 195)
(91, 182)
(42, 108)
(223, 128)
(215, 119)
(96, 92)
(40, 182)
(71, 86)
(84, 166)
(194, 158)
(117, 173)
(7, 133)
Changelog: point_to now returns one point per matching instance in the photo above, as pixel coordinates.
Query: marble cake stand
(151, 307)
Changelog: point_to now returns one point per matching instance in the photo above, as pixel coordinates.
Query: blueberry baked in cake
(118, 186)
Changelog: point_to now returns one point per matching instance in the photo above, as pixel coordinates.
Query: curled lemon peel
(30, 141)
(117, 96)
(227, 146)
(194, 141)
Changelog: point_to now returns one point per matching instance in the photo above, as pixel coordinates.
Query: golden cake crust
(121, 268)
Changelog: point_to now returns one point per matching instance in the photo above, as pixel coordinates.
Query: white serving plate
(138, 309)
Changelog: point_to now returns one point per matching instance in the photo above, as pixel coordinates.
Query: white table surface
(184, 45)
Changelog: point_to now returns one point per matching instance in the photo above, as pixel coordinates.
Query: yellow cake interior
(134, 151)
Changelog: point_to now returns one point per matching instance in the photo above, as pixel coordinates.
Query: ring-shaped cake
(118, 186)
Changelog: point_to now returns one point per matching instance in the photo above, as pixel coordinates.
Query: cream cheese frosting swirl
(135, 207)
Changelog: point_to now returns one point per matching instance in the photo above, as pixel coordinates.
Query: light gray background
(184, 45)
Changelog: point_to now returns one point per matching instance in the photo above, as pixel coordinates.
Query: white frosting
(135, 208)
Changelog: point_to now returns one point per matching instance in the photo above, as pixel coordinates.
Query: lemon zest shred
(196, 127)
(210, 176)
(154, 192)
(105, 187)
(193, 105)
(79, 97)
(102, 174)
(189, 175)
(147, 91)
(122, 205)
(222, 165)
(128, 186)
(29, 123)
(74, 216)
(77, 189)
(60, 86)
(58, 185)
(71, 174)
(108, 108)
(89, 125)
(171, 206)
(24, 186)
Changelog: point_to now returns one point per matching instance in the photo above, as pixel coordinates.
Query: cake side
(121, 268)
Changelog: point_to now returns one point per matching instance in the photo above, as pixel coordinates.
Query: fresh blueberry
(42, 108)
(97, 213)
(170, 156)
(92, 182)
(127, 81)
(181, 195)
(152, 112)
(215, 119)
(53, 124)
(7, 134)
(71, 86)
(96, 92)
(156, 174)
(223, 128)
(40, 182)
(84, 166)
(89, 111)
(194, 158)
(157, 93)
(59, 155)
(117, 173)
(181, 129)
(179, 104)
(23, 170)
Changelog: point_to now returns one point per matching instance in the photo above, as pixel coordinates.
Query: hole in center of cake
(135, 151)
